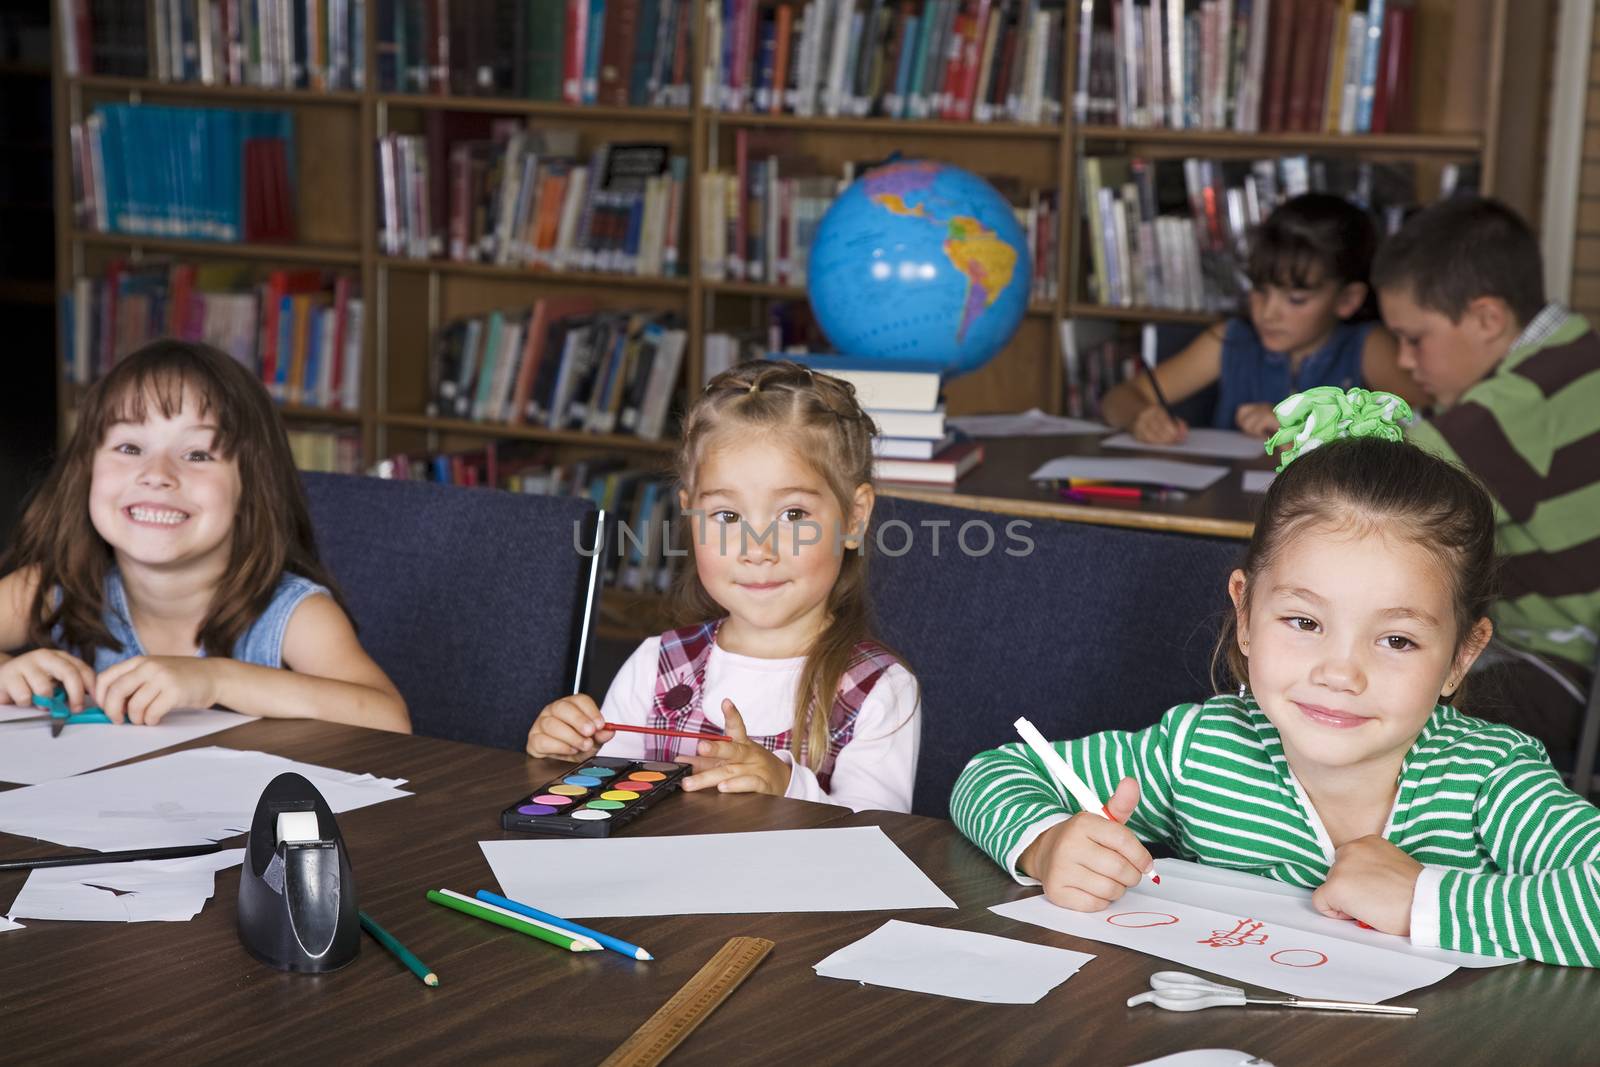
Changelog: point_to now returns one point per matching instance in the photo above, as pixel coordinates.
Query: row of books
(612, 52)
(528, 200)
(560, 364)
(203, 174)
(951, 60)
(1173, 233)
(1340, 66)
(643, 545)
(334, 450)
(1098, 355)
(300, 331)
(103, 37)
(277, 44)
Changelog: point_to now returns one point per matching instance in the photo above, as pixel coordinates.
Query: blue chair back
(1085, 628)
(470, 599)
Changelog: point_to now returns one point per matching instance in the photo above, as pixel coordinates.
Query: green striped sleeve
(1543, 902)
(1005, 792)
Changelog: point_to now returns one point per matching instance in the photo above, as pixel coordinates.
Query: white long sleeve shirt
(875, 770)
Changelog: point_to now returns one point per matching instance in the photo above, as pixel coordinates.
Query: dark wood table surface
(1000, 484)
(188, 993)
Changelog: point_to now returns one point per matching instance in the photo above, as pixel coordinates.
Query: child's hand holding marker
(1373, 882)
(571, 727)
(1091, 859)
(742, 765)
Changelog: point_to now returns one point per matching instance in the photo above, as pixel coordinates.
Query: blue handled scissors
(1177, 991)
(60, 714)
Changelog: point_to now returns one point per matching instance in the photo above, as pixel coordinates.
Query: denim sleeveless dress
(261, 644)
(1253, 375)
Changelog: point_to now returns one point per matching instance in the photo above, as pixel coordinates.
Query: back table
(187, 992)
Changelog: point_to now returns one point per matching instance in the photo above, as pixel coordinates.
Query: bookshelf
(1483, 108)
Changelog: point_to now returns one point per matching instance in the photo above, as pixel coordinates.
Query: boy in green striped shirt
(1340, 765)
(1515, 386)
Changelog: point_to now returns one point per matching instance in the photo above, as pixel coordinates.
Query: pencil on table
(615, 944)
(401, 953)
(500, 917)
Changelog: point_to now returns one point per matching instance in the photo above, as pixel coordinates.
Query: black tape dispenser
(297, 897)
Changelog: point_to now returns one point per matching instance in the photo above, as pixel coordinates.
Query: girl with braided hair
(1340, 765)
(774, 645)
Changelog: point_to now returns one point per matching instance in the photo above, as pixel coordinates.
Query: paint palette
(595, 798)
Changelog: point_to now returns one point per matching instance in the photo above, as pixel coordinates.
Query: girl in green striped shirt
(1340, 765)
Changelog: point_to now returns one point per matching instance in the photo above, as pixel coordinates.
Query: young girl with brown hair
(167, 561)
(775, 649)
(1340, 764)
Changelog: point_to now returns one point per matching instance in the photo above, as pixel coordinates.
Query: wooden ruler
(689, 1006)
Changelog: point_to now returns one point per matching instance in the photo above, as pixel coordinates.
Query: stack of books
(913, 446)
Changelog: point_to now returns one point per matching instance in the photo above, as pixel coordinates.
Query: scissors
(60, 714)
(1177, 991)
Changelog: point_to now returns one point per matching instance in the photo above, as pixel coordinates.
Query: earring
(1241, 690)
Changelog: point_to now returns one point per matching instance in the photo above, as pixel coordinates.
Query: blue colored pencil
(615, 944)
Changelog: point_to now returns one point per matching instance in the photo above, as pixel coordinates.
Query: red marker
(660, 732)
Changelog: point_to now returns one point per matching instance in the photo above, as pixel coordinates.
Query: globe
(920, 262)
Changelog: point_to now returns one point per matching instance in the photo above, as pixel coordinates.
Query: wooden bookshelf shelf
(1447, 144)
(313, 254)
(1134, 314)
(621, 442)
(201, 91)
(512, 106)
(625, 613)
(297, 413)
(900, 127)
(527, 274)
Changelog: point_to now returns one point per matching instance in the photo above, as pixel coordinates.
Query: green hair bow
(1311, 419)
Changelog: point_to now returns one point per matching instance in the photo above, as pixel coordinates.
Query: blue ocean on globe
(920, 262)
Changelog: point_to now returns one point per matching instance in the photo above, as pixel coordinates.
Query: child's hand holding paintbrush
(569, 728)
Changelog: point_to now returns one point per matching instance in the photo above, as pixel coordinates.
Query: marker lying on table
(1121, 492)
(661, 732)
(1065, 775)
(615, 944)
(170, 852)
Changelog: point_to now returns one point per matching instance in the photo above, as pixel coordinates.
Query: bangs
(166, 386)
(1281, 260)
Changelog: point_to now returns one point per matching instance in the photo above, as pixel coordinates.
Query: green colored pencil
(401, 953)
(467, 906)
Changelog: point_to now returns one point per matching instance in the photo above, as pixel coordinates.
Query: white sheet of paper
(29, 755)
(954, 963)
(172, 890)
(854, 868)
(1207, 1057)
(186, 798)
(1202, 441)
(1159, 472)
(1236, 944)
(1030, 423)
(1258, 481)
(1288, 905)
(7, 924)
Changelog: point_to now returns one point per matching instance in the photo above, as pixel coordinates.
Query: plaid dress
(680, 686)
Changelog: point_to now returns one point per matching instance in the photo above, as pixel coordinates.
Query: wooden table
(1000, 484)
(188, 993)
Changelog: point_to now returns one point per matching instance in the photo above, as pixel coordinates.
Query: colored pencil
(660, 732)
(500, 917)
(401, 953)
(615, 944)
(1068, 778)
(169, 853)
(1082, 493)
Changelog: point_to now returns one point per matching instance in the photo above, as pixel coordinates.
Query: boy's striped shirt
(1512, 855)
(1530, 431)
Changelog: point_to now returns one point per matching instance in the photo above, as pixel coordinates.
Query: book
(946, 468)
(911, 447)
(899, 386)
(891, 423)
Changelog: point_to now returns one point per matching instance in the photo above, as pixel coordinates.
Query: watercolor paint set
(596, 798)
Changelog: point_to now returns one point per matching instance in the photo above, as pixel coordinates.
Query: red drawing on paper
(1244, 932)
(1141, 920)
(1299, 957)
